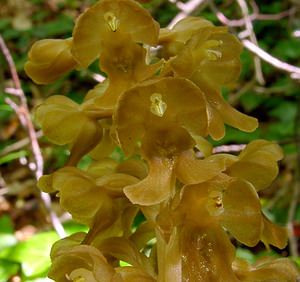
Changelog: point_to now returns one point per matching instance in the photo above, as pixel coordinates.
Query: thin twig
(19, 144)
(98, 77)
(280, 194)
(186, 9)
(235, 148)
(254, 48)
(229, 148)
(296, 189)
(241, 22)
(23, 114)
(249, 27)
(293, 70)
(234, 99)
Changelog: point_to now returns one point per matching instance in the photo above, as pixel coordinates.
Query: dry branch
(22, 111)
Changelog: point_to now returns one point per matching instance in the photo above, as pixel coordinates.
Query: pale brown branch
(186, 9)
(254, 48)
(229, 148)
(293, 70)
(249, 27)
(18, 145)
(98, 77)
(10, 63)
(293, 242)
(233, 99)
(23, 114)
(255, 16)
(13, 91)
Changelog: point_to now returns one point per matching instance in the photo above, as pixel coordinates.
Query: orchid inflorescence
(158, 105)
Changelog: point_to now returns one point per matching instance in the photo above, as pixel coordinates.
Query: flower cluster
(159, 105)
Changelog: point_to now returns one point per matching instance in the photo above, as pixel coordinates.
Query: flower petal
(268, 269)
(257, 163)
(124, 62)
(88, 137)
(77, 192)
(125, 250)
(130, 274)
(49, 59)
(228, 114)
(156, 187)
(80, 261)
(190, 170)
(242, 212)
(207, 255)
(155, 103)
(109, 18)
(273, 234)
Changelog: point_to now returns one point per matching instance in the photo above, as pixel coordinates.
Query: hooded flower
(124, 62)
(74, 261)
(107, 143)
(65, 122)
(81, 263)
(257, 163)
(232, 203)
(157, 106)
(266, 269)
(211, 202)
(228, 196)
(105, 22)
(49, 59)
(78, 194)
(173, 40)
(90, 195)
(210, 57)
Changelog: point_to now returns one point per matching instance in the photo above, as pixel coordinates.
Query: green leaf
(6, 225)
(7, 238)
(118, 154)
(13, 156)
(4, 23)
(280, 130)
(235, 136)
(72, 227)
(285, 111)
(62, 25)
(6, 108)
(85, 162)
(251, 101)
(124, 263)
(32, 254)
(289, 149)
(245, 254)
(287, 49)
(247, 65)
(40, 279)
(7, 270)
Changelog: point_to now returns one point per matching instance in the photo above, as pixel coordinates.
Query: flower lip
(166, 142)
(157, 104)
(48, 59)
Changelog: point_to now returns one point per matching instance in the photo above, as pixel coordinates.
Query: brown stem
(22, 111)
(296, 189)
